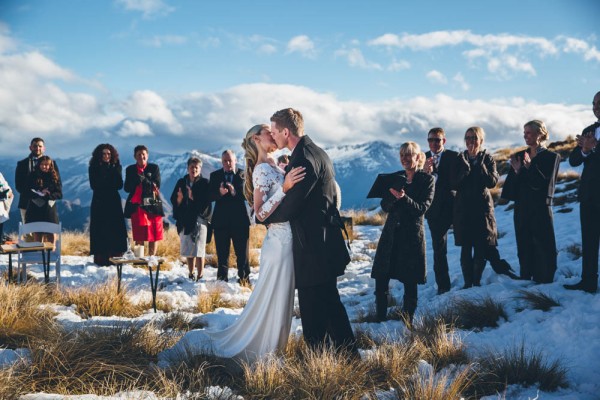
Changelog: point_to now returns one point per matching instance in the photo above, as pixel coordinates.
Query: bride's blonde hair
(251, 155)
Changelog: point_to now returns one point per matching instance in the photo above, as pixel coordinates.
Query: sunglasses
(473, 138)
(434, 140)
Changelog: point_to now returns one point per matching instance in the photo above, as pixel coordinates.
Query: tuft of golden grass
(101, 361)
(364, 217)
(22, 315)
(75, 243)
(100, 300)
(255, 241)
(516, 366)
(212, 298)
(392, 362)
(265, 379)
(437, 387)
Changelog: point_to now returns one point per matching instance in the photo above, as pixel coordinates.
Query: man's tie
(436, 162)
(229, 177)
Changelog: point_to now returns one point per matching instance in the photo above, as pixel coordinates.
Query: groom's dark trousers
(323, 315)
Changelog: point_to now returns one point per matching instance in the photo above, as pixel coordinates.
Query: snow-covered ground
(569, 333)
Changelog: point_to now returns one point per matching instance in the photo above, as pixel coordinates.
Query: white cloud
(7, 43)
(165, 40)
(356, 59)
(460, 80)
(505, 64)
(147, 105)
(267, 49)
(134, 128)
(398, 65)
(431, 40)
(582, 47)
(148, 8)
(303, 45)
(435, 76)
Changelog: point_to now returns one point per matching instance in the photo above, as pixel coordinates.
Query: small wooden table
(11, 249)
(119, 261)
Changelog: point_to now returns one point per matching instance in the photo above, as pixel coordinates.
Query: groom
(320, 253)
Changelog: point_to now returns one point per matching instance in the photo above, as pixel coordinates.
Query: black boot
(587, 284)
(467, 271)
(381, 303)
(478, 267)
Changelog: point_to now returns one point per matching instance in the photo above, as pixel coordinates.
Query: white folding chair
(35, 257)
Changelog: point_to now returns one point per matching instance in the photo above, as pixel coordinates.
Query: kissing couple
(304, 248)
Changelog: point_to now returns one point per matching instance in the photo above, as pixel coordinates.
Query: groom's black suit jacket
(320, 253)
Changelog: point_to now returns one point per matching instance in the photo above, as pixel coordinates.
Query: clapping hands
(587, 142)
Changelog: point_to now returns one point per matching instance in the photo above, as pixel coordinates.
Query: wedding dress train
(264, 325)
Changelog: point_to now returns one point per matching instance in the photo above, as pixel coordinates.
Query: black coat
(24, 169)
(108, 234)
(149, 180)
(534, 186)
(186, 214)
(589, 189)
(443, 200)
(320, 252)
(230, 211)
(43, 208)
(474, 219)
(401, 249)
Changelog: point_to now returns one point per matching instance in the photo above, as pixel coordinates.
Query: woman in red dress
(144, 206)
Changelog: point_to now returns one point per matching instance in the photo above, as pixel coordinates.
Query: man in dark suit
(440, 163)
(319, 250)
(24, 168)
(587, 153)
(230, 220)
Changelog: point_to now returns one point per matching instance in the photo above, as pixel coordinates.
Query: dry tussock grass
(75, 243)
(101, 361)
(100, 300)
(22, 315)
(364, 217)
(537, 300)
(516, 366)
(212, 298)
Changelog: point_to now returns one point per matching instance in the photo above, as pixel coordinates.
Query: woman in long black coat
(474, 220)
(108, 234)
(530, 184)
(401, 249)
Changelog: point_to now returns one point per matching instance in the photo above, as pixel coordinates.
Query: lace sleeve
(268, 191)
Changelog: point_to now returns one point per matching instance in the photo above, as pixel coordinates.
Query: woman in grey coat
(401, 249)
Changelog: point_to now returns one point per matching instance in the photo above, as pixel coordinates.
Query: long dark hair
(97, 154)
(52, 171)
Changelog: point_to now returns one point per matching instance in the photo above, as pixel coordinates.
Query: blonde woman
(401, 249)
(264, 325)
(474, 220)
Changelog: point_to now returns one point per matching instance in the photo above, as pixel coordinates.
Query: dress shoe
(590, 287)
(191, 276)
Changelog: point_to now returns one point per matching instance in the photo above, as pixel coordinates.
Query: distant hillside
(356, 167)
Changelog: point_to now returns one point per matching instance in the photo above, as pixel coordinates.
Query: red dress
(145, 226)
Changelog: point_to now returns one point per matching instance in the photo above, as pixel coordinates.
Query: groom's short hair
(291, 119)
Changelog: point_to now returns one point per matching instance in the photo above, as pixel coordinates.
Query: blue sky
(182, 75)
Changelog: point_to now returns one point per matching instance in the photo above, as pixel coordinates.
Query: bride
(265, 323)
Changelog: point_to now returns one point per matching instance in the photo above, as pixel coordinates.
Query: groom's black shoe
(585, 285)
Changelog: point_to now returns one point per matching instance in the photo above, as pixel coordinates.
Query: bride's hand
(294, 176)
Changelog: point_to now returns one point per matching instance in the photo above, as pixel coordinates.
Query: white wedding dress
(264, 325)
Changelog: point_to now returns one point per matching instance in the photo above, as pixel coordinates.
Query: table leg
(119, 275)
(154, 284)
(46, 265)
(9, 267)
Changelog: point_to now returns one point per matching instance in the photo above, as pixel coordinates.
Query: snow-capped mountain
(356, 167)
